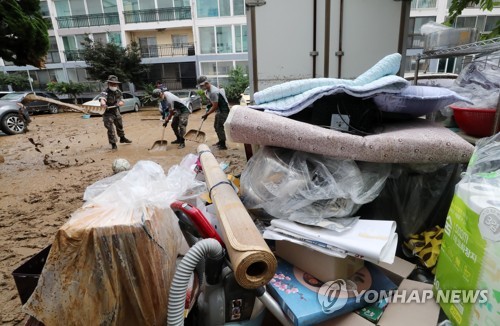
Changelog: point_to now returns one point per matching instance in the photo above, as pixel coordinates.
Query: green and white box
(470, 253)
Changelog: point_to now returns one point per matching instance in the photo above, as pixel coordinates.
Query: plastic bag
(480, 82)
(113, 261)
(307, 188)
(432, 27)
(417, 197)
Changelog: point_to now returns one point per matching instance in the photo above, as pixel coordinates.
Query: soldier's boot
(222, 145)
(125, 140)
(113, 146)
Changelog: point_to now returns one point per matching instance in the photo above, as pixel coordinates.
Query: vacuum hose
(209, 248)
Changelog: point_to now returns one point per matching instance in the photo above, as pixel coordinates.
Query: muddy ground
(44, 173)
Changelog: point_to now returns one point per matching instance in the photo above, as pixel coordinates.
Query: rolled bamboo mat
(253, 262)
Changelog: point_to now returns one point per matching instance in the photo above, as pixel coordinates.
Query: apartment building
(179, 39)
(423, 11)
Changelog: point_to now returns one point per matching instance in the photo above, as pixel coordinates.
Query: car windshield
(181, 94)
(13, 97)
(247, 91)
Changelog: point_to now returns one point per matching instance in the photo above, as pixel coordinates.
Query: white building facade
(423, 11)
(179, 39)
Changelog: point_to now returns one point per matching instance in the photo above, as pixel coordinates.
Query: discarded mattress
(294, 96)
(412, 141)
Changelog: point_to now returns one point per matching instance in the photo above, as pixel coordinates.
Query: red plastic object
(199, 220)
(474, 122)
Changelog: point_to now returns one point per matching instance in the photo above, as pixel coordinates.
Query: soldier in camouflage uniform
(111, 99)
(178, 112)
(219, 105)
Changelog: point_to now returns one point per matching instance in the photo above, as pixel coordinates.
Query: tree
(112, 59)
(457, 6)
(71, 89)
(24, 37)
(238, 81)
(18, 80)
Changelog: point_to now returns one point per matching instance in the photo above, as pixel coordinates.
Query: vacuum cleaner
(222, 301)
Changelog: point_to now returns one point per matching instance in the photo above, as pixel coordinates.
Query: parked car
(245, 97)
(132, 102)
(190, 97)
(34, 106)
(3, 93)
(11, 122)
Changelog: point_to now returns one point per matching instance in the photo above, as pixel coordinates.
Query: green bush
(71, 89)
(238, 81)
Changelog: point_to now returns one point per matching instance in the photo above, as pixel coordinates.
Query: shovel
(196, 135)
(160, 145)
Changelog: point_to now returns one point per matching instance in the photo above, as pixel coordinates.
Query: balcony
(156, 15)
(167, 50)
(88, 20)
(423, 4)
(74, 55)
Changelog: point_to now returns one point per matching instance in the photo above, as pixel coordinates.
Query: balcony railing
(88, 20)
(154, 15)
(167, 50)
(74, 55)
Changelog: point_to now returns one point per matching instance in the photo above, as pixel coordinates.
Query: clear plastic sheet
(480, 82)
(112, 263)
(308, 188)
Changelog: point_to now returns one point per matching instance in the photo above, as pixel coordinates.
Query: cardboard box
(329, 269)
(299, 294)
(396, 313)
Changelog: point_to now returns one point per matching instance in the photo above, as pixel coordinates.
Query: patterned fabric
(413, 141)
(110, 121)
(220, 119)
(112, 98)
(294, 96)
(426, 246)
(179, 124)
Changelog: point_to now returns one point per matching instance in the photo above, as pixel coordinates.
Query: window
(100, 38)
(207, 40)
(415, 38)
(421, 4)
(94, 6)
(109, 6)
(220, 8)
(238, 7)
(77, 7)
(207, 8)
(465, 22)
(115, 37)
(491, 23)
(179, 40)
(224, 39)
(225, 8)
(208, 68)
(148, 47)
(62, 8)
(224, 67)
(240, 42)
(44, 8)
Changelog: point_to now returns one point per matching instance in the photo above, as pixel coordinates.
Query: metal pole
(29, 79)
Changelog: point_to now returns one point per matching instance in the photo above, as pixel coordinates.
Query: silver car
(11, 121)
(131, 102)
(190, 97)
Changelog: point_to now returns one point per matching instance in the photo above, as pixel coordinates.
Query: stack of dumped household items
(338, 206)
(349, 174)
